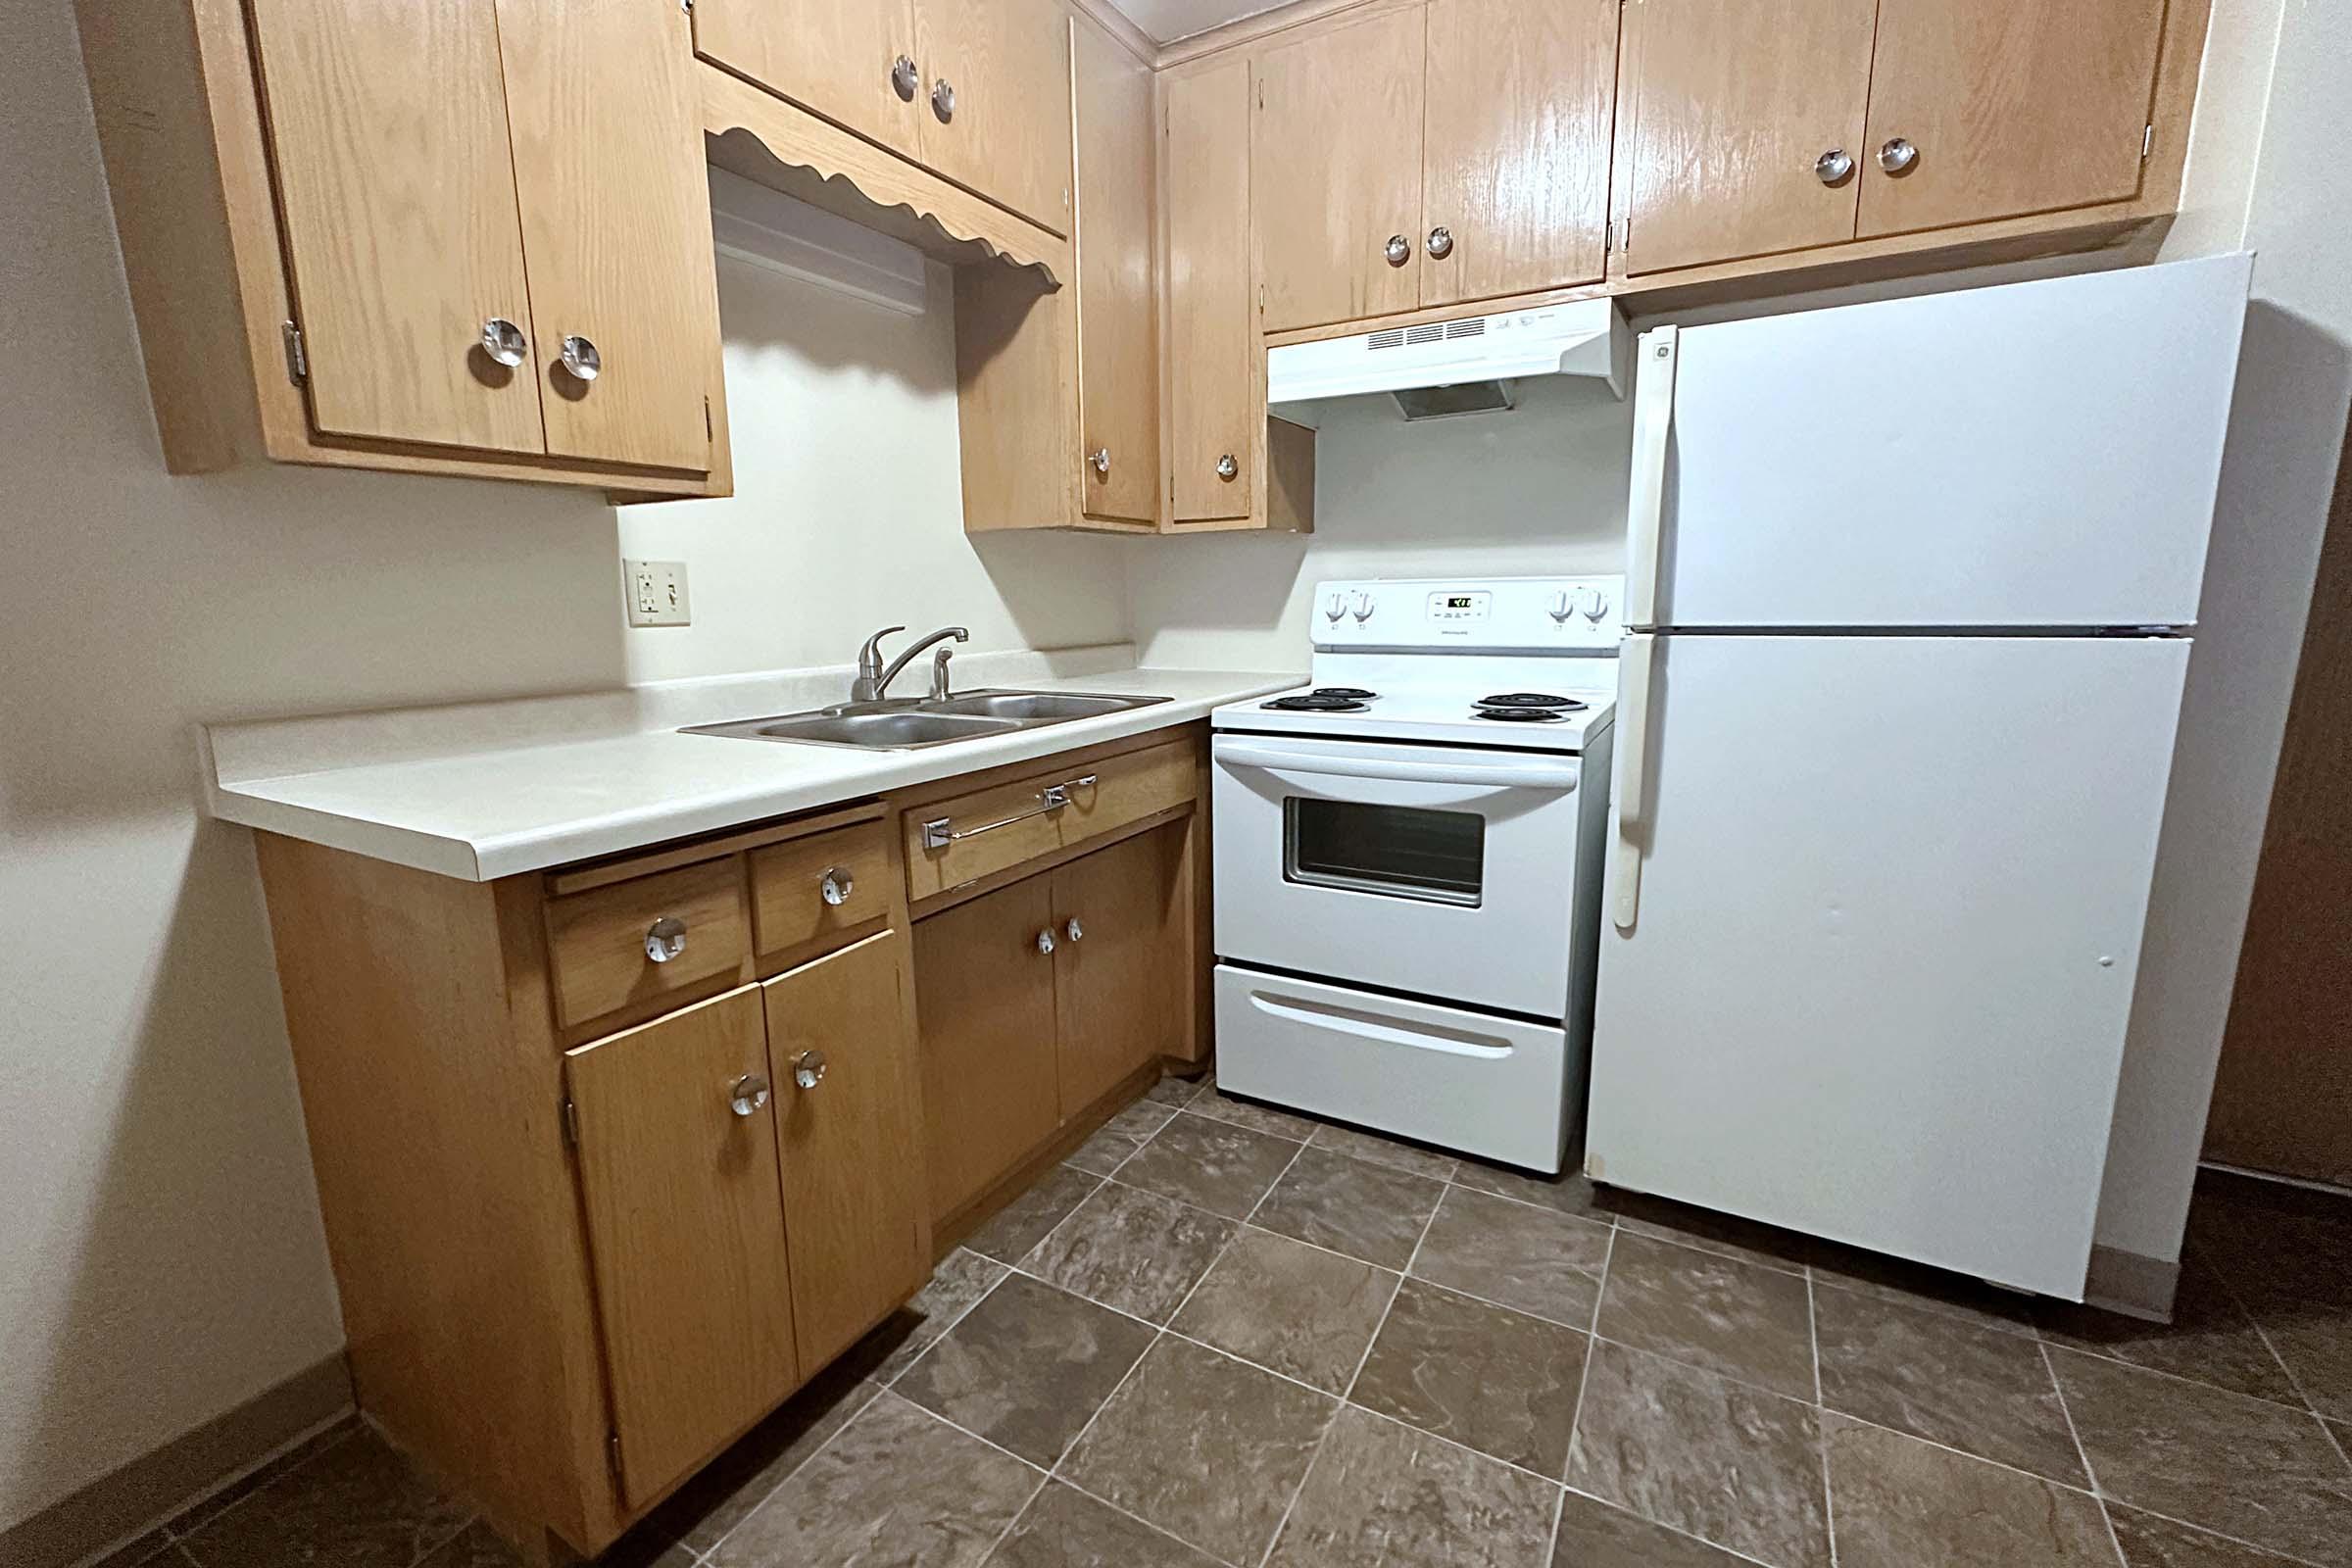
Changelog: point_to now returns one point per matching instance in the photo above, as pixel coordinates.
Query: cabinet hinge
(298, 363)
(2147, 141)
(1621, 235)
(709, 436)
(571, 1122)
(613, 1453)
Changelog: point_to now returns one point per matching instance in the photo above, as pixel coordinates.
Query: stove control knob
(1334, 609)
(1597, 604)
(1559, 605)
(1363, 606)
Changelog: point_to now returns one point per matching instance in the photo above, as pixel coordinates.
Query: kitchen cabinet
(1118, 363)
(998, 101)
(853, 64)
(1980, 110)
(677, 1161)
(1739, 130)
(1116, 916)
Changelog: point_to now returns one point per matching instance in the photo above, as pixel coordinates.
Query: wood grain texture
(1721, 117)
(1016, 400)
(1214, 401)
(597, 940)
(668, 858)
(1010, 63)
(602, 98)
(1515, 159)
(1119, 987)
(417, 1009)
(1290, 505)
(686, 1229)
(985, 1001)
(388, 130)
(831, 58)
(1127, 788)
(1269, 25)
(857, 1202)
(789, 911)
(1335, 160)
(2014, 109)
(1118, 297)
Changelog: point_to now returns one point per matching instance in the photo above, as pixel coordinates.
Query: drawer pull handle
(749, 1095)
(942, 831)
(665, 938)
(837, 886)
(808, 1068)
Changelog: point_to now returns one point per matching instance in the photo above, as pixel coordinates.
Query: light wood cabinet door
(1337, 159)
(1119, 366)
(1215, 403)
(858, 1219)
(606, 117)
(985, 998)
(685, 1233)
(1515, 166)
(1725, 114)
(836, 60)
(1002, 124)
(396, 196)
(2005, 109)
(1119, 964)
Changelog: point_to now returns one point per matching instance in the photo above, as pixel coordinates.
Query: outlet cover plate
(656, 593)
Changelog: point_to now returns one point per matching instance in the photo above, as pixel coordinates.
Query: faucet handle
(870, 655)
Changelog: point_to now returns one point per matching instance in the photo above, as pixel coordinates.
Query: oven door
(1442, 871)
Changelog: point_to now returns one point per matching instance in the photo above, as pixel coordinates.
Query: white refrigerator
(1911, 588)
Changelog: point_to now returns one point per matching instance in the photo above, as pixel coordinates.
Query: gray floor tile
(1202, 1447)
(1027, 1368)
(478, 1546)
(1105, 1151)
(2210, 1340)
(1381, 1493)
(2263, 1473)
(1248, 1113)
(1595, 1534)
(1065, 1527)
(961, 1278)
(2152, 1543)
(357, 1504)
(1209, 1164)
(1569, 1193)
(1904, 1503)
(1173, 1092)
(2315, 1341)
(1290, 1307)
(1710, 1457)
(1132, 1249)
(717, 1500)
(1909, 1284)
(1721, 1313)
(1532, 1258)
(1388, 1151)
(193, 1517)
(1498, 1381)
(2272, 1241)
(1707, 1230)
(1025, 1222)
(1364, 1211)
(1980, 1389)
(897, 1487)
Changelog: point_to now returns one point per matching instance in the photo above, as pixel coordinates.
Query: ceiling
(1168, 21)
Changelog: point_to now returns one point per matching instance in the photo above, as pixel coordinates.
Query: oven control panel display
(1460, 609)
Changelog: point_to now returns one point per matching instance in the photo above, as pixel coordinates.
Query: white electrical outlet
(656, 593)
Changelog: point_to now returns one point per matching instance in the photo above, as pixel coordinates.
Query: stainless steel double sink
(907, 723)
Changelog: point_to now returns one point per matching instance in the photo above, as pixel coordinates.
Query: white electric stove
(1408, 858)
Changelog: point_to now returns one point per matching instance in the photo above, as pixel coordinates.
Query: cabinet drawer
(994, 829)
(820, 890)
(598, 940)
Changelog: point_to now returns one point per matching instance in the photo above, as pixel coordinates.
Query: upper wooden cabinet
(998, 101)
(1982, 109)
(853, 64)
(1118, 301)
(1216, 399)
(1739, 128)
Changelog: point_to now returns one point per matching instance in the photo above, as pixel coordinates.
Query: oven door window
(1399, 852)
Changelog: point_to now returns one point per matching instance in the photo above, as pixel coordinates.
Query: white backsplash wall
(1538, 490)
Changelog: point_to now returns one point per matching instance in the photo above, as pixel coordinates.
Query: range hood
(1458, 366)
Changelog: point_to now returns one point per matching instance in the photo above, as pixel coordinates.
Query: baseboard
(117, 1507)
(2133, 1285)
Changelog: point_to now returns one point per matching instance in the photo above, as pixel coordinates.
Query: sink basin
(904, 725)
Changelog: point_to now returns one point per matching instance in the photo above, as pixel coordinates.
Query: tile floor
(1224, 1335)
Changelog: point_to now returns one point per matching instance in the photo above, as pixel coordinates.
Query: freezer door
(1874, 981)
(2034, 454)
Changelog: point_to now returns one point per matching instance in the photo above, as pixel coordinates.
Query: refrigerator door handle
(1653, 430)
(1636, 665)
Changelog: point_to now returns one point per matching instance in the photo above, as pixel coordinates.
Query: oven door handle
(1518, 773)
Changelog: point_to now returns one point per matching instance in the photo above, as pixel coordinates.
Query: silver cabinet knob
(581, 358)
(1045, 942)
(748, 1094)
(905, 80)
(1075, 931)
(1897, 156)
(1834, 166)
(1398, 250)
(665, 938)
(837, 886)
(943, 100)
(1100, 461)
(504, 342)
(1227, 467)
(808, 1068)
(1441, 243)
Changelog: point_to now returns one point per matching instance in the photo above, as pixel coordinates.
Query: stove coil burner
(1316, 703)
(1537, 700)
(1523, 715)
(1353, 694)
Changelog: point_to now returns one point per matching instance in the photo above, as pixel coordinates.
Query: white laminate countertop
(488, 790)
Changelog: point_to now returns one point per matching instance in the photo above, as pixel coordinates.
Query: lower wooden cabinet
(1116, 915)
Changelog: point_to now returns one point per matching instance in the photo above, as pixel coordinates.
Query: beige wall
(161, 1258)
